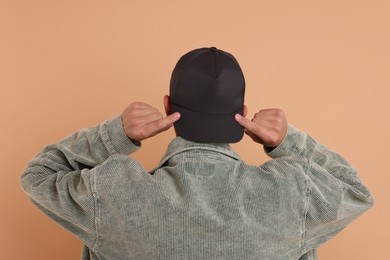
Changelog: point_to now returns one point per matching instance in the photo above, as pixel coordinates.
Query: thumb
(246, 123)
(160, 125)
(252, 129)
(167, 122)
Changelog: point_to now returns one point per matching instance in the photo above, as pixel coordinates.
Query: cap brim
(208, 128)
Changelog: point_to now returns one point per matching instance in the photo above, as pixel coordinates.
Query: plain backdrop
(67, 65)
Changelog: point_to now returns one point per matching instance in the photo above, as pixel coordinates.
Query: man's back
(204, 203)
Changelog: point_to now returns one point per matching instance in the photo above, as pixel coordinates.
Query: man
(202, 201)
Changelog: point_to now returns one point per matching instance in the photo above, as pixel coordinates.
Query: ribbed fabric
(201, 202)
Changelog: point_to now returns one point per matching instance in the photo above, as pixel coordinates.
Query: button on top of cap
(213, 49)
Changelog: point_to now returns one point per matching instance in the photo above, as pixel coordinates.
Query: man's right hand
(268, 127)
(141, 121)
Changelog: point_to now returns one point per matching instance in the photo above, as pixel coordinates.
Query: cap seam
(215, 64)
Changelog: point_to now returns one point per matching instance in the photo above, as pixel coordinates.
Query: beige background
(66, 65)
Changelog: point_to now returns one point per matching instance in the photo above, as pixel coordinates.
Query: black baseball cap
(207, 87)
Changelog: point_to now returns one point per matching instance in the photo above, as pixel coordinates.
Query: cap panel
(181, 64)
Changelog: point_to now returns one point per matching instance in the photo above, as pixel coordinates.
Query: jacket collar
(180, 145)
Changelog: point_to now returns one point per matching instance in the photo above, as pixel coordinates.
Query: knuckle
(277, 127)
(133, 105)
(136, 105)
(158, 115)
(278, 122)
(160, 124)
(279, 112)
(253, 128)
(260, 112)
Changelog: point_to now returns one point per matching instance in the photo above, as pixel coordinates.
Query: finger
(265, 123)
(266, 111)
(136, 105)
(253, 128)
(270, 112)
(143, 111)
(137, 109)
(161, 125)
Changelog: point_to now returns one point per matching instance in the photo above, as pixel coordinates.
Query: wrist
(290, 145)
(118, 138)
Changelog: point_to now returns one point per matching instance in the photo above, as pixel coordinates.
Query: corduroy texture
(201, 201)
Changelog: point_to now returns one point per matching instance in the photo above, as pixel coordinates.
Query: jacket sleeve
(335, 194)
(60, 179)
